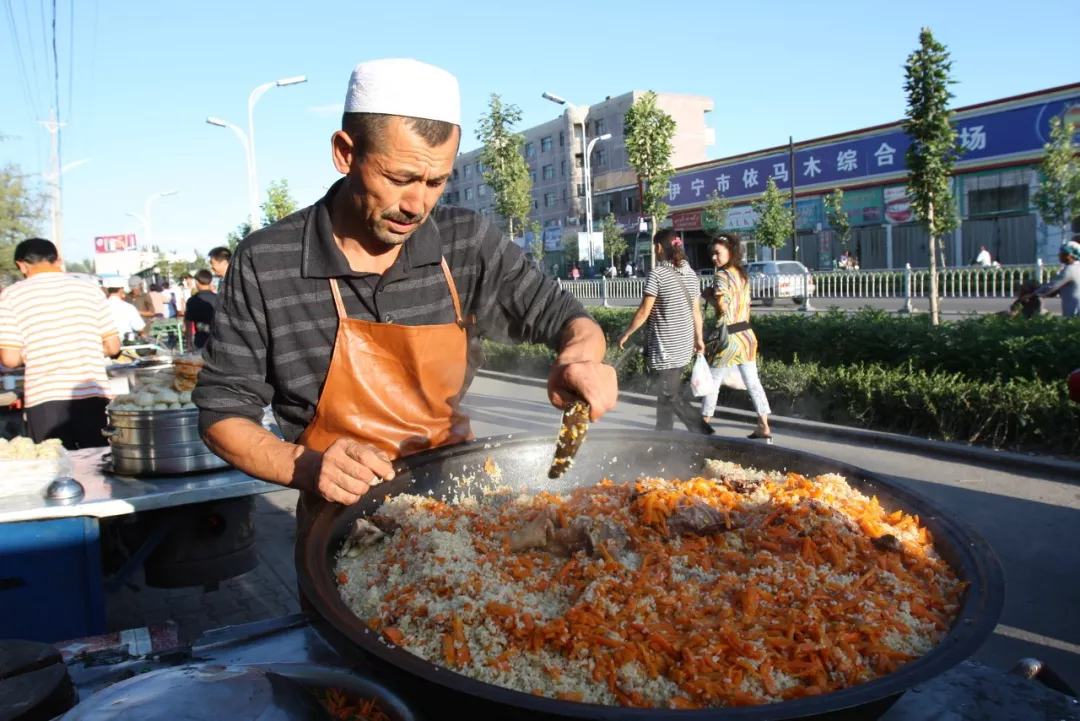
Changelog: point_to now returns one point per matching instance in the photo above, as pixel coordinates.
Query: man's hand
(595, 383)
(347, 470)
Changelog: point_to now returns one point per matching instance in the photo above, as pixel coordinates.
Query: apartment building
(555, 153)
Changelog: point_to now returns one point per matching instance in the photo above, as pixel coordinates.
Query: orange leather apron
(396, 387)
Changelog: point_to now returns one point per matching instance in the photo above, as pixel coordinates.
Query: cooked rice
(794, 600)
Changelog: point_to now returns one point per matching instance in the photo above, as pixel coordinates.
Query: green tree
(279, 203)
(536, 247)
(837, 218)
(614, 240)
(22, 206)
(934, 149)
(505, 169)
(773, 226)
(235, 236)
(571, 249)
(714, 215)
(80, 266)
(649, 132)
(1058, 197)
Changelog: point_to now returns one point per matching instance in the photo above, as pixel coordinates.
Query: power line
(17, 47)
(71, 57)
(56, 82)
(44, 42)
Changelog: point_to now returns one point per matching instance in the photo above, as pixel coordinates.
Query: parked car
(774, 279)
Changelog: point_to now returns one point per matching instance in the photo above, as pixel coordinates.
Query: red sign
(686, 221)
(114, 243)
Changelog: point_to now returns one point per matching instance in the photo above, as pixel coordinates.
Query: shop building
(995, 183)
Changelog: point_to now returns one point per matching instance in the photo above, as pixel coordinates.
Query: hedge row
(1018, 414)
(982, 348)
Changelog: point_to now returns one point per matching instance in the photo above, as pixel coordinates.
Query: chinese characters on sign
(987, 134)
(114, 243)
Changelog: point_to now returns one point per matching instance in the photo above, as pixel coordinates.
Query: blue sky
(146, 75)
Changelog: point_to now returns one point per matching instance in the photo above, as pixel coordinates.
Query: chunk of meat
(697, 519)
(362, 534)
(887, 542)
(583, 534)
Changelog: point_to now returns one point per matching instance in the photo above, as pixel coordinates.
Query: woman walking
(731, 298)
(674, 334)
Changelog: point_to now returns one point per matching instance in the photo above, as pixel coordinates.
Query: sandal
(757, 436)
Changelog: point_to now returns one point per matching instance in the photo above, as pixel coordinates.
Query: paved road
(953, 307)
(1032, 523)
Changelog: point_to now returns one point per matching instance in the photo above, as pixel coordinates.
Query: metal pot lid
(202, 693)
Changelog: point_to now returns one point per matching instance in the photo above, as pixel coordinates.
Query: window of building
(565, 194)
(468, 191)
(579, 160)
(605, 207)
(454, 175)
(536, 203)
(562, 168)
(549, 200)
(581, 190)
(600, 126)
(1010, 199)
(601, 157)
(482, 191)
(479, 168)
(630, 204)
(552, 223)
(467, 171)
(485, 212)
(549, 172)
(530, 150)
(562, 139)
(532, 176)
(457, 196)
(545, 144)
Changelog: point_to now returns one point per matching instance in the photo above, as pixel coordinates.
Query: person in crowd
(1066, 283)
(61, 329)
(169, 295)
(672, 307)
(219, 261)
(157, 300)
(575, 273)
(125, 315)
(185, 291)
(629, 269)
(982, 258)
(140, 298)
(731, 299)
(200, 309)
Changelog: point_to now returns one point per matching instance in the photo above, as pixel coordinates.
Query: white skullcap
(401, 86)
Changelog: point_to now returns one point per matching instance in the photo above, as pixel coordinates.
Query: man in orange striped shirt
(61, 328)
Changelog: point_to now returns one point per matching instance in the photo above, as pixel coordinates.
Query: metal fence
(967, 282)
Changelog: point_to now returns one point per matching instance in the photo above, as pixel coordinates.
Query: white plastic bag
(701, 380)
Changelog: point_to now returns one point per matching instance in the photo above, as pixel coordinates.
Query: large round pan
(624, 455)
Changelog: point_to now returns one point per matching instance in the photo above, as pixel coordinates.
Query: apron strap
(338, 302)
(453, 291)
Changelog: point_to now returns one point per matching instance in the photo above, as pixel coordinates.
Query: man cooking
(350, 317)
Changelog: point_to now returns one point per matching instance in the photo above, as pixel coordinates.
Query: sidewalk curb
(1068, 471)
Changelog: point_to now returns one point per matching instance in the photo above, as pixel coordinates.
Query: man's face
(394, 187)
(218, 267)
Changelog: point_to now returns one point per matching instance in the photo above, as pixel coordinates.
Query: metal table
(969, 692)
(51, 580)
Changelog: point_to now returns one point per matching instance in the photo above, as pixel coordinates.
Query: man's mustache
(399, 217)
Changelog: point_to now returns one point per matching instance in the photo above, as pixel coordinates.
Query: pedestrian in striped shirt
(672, 307)
(60, 327)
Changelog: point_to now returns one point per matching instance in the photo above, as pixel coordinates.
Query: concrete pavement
(1032, 523)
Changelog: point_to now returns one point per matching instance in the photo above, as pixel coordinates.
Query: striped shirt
(59, 322)
(275, 320)
(671, 323)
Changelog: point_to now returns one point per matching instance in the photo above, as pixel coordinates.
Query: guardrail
(906, 283)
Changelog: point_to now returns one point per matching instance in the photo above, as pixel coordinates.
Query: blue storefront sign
(983, 136)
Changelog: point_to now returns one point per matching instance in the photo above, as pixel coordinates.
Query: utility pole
(794, 212)
(53, 126)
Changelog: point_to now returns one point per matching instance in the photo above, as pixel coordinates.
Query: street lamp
(587, 151)
(145, 217)
(248, 140)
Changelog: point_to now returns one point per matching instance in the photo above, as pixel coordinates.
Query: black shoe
(757, 436)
